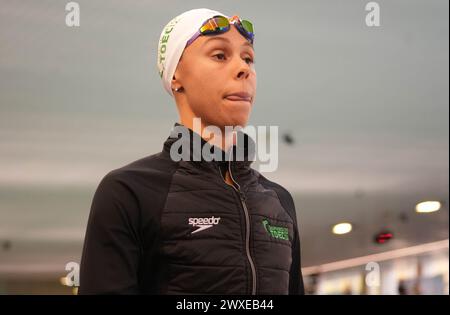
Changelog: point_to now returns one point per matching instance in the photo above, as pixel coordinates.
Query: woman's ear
(176, 85)
(175, 82)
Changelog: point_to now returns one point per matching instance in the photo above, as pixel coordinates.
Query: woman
(201, 224)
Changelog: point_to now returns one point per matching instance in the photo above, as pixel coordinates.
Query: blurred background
(362, 115)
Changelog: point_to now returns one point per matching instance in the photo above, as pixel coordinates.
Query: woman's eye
(219, 55)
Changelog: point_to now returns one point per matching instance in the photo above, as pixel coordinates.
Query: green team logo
(162, 46)
(278, 232)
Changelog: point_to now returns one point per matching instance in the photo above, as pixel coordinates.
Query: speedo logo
(203, 223)
(278, 232)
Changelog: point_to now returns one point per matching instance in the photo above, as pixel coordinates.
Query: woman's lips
(239, 96)
(238, 99)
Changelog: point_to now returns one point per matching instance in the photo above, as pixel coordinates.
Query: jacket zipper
(247, 225)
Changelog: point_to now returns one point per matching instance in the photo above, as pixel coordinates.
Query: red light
(383, 237)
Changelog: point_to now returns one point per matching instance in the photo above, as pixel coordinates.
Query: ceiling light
(428, 206)
(342, 228)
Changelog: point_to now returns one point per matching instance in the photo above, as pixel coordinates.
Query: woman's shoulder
(136, 180)
(149, 168)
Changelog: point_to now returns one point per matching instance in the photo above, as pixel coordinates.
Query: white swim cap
(173, 40)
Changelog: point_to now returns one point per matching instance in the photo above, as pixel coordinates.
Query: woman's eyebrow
(226, 40)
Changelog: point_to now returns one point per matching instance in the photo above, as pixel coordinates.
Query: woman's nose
(244, 69)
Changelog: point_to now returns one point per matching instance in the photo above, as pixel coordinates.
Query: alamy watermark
(73, 15)
(373, 17)
(373, 275)
(262, 145)
(72, 278)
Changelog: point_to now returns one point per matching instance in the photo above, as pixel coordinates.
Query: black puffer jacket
(158, 226)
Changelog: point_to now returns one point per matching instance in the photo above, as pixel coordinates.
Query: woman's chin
(237, 119)
(237, 111)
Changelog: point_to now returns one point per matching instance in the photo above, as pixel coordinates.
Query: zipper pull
(241, 194)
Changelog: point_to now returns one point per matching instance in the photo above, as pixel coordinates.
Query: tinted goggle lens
(214, 25)
(247, 25)
(220, 24)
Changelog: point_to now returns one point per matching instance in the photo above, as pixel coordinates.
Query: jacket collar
(184, 138)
